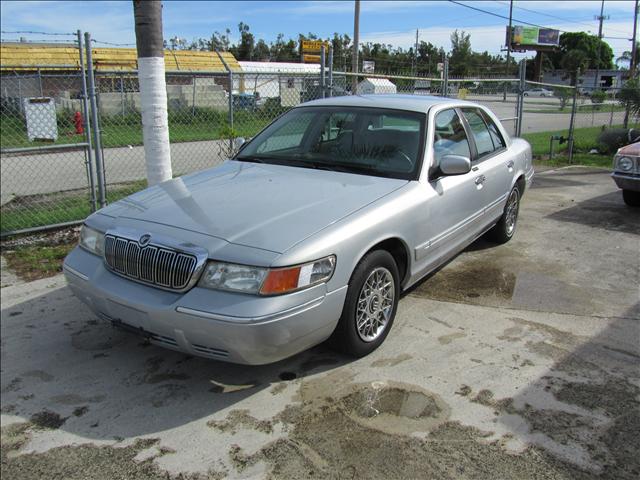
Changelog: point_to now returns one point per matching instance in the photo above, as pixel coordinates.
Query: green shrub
(611, 139)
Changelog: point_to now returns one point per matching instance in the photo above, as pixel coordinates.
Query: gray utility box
(40, 113)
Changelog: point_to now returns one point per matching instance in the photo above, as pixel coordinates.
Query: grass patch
(121, 131)
(585, 139)
(581, 110)
(32, 262)
(41, 210)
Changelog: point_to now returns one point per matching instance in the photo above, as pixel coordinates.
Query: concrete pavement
(514, 361)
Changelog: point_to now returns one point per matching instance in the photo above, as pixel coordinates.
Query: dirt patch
(85, 462)
(241, 419)
(615, 397)
(469, 280)
(47, 419)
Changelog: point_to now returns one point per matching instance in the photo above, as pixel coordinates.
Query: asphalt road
(62, 171)
(514, 361)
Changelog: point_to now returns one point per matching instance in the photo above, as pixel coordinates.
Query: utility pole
(414, 63)
(632, 65)
(601, 19)
(153, 89)
(504, 94)
(356, 41)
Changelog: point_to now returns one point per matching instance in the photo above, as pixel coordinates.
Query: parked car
(626, 173)
(538, 92)
(309, 233)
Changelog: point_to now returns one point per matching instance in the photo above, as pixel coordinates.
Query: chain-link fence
(52, 172)
(45, 151)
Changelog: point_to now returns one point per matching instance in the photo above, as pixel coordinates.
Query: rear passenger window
(450, 137)
(480, 132)
(498, 141)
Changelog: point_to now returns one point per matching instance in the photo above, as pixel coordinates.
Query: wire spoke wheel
(511, 213)
(375, 304)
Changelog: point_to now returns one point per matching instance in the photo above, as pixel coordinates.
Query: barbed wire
(17, 32)
(93, 40)
(17, 40)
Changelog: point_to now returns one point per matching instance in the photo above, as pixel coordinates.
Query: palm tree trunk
(153, 89)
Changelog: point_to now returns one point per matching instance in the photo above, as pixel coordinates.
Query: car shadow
(62, 366)
(606, 211)
(586, 406)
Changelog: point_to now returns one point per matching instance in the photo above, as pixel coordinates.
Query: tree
(153, 90)
(574, 62)
(625, 58)
(244, 50)
(261, 51)
(597, 52)
(461, 53)
(630, 98)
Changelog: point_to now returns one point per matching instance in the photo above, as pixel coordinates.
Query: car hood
(633, 149)
(271, 207)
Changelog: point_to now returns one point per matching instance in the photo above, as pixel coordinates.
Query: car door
(491, 162)
(450, 214)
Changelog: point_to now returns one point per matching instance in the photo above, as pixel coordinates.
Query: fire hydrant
(77, 120)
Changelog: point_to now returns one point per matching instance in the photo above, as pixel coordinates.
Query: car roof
(414, 103)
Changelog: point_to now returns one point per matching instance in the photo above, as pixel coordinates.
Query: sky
(388, 22)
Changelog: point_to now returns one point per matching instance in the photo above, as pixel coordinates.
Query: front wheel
(370, 306)
(504, 230)
(631, 198)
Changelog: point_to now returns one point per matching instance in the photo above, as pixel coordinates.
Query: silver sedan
(310, 233)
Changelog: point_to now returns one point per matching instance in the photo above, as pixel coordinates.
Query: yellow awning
(31, 57)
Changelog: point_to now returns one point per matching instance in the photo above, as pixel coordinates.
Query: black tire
(346, 338)
(504, 230)
(631, 198)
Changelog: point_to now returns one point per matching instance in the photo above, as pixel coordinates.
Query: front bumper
(627, 181)
(226, 326)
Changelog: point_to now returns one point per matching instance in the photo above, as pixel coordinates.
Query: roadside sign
(313, 45)
(368, 66)
(441, 67)
(310, 58)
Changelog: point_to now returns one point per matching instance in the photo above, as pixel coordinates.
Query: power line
(498, 15)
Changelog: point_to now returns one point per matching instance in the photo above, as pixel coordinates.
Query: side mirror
(455, 165)
(239, 142)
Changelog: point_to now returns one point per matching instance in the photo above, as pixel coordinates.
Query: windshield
(369, 141)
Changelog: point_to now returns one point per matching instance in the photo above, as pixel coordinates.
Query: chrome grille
(151, 264)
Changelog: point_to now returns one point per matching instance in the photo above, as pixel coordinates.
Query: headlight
(625, 164)
(92, 240)
(265, 281)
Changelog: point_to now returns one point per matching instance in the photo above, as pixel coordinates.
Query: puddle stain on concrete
(391, 362)
(447, 339)
(473, 279)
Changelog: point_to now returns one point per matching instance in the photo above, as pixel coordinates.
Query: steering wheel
(407, 163)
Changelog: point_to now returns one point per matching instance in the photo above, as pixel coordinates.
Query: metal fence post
(96, 125)
(87, 126)
(322, 71)
(331, 80)
(520, 101)
(193, 97)
(445, 82)
(40, 82)
(230, 100)
(572, 122)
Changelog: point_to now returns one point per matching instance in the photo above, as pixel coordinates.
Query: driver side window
(450, 137)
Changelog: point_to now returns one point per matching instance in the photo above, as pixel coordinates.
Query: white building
(375, 85)
(288, 81)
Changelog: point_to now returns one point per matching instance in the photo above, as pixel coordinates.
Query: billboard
(524, 36)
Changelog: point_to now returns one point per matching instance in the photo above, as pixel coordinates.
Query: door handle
(480, 180)
(510, 164)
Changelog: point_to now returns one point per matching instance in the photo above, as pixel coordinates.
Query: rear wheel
(504, 230)
(631, 198)
(370, 306)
